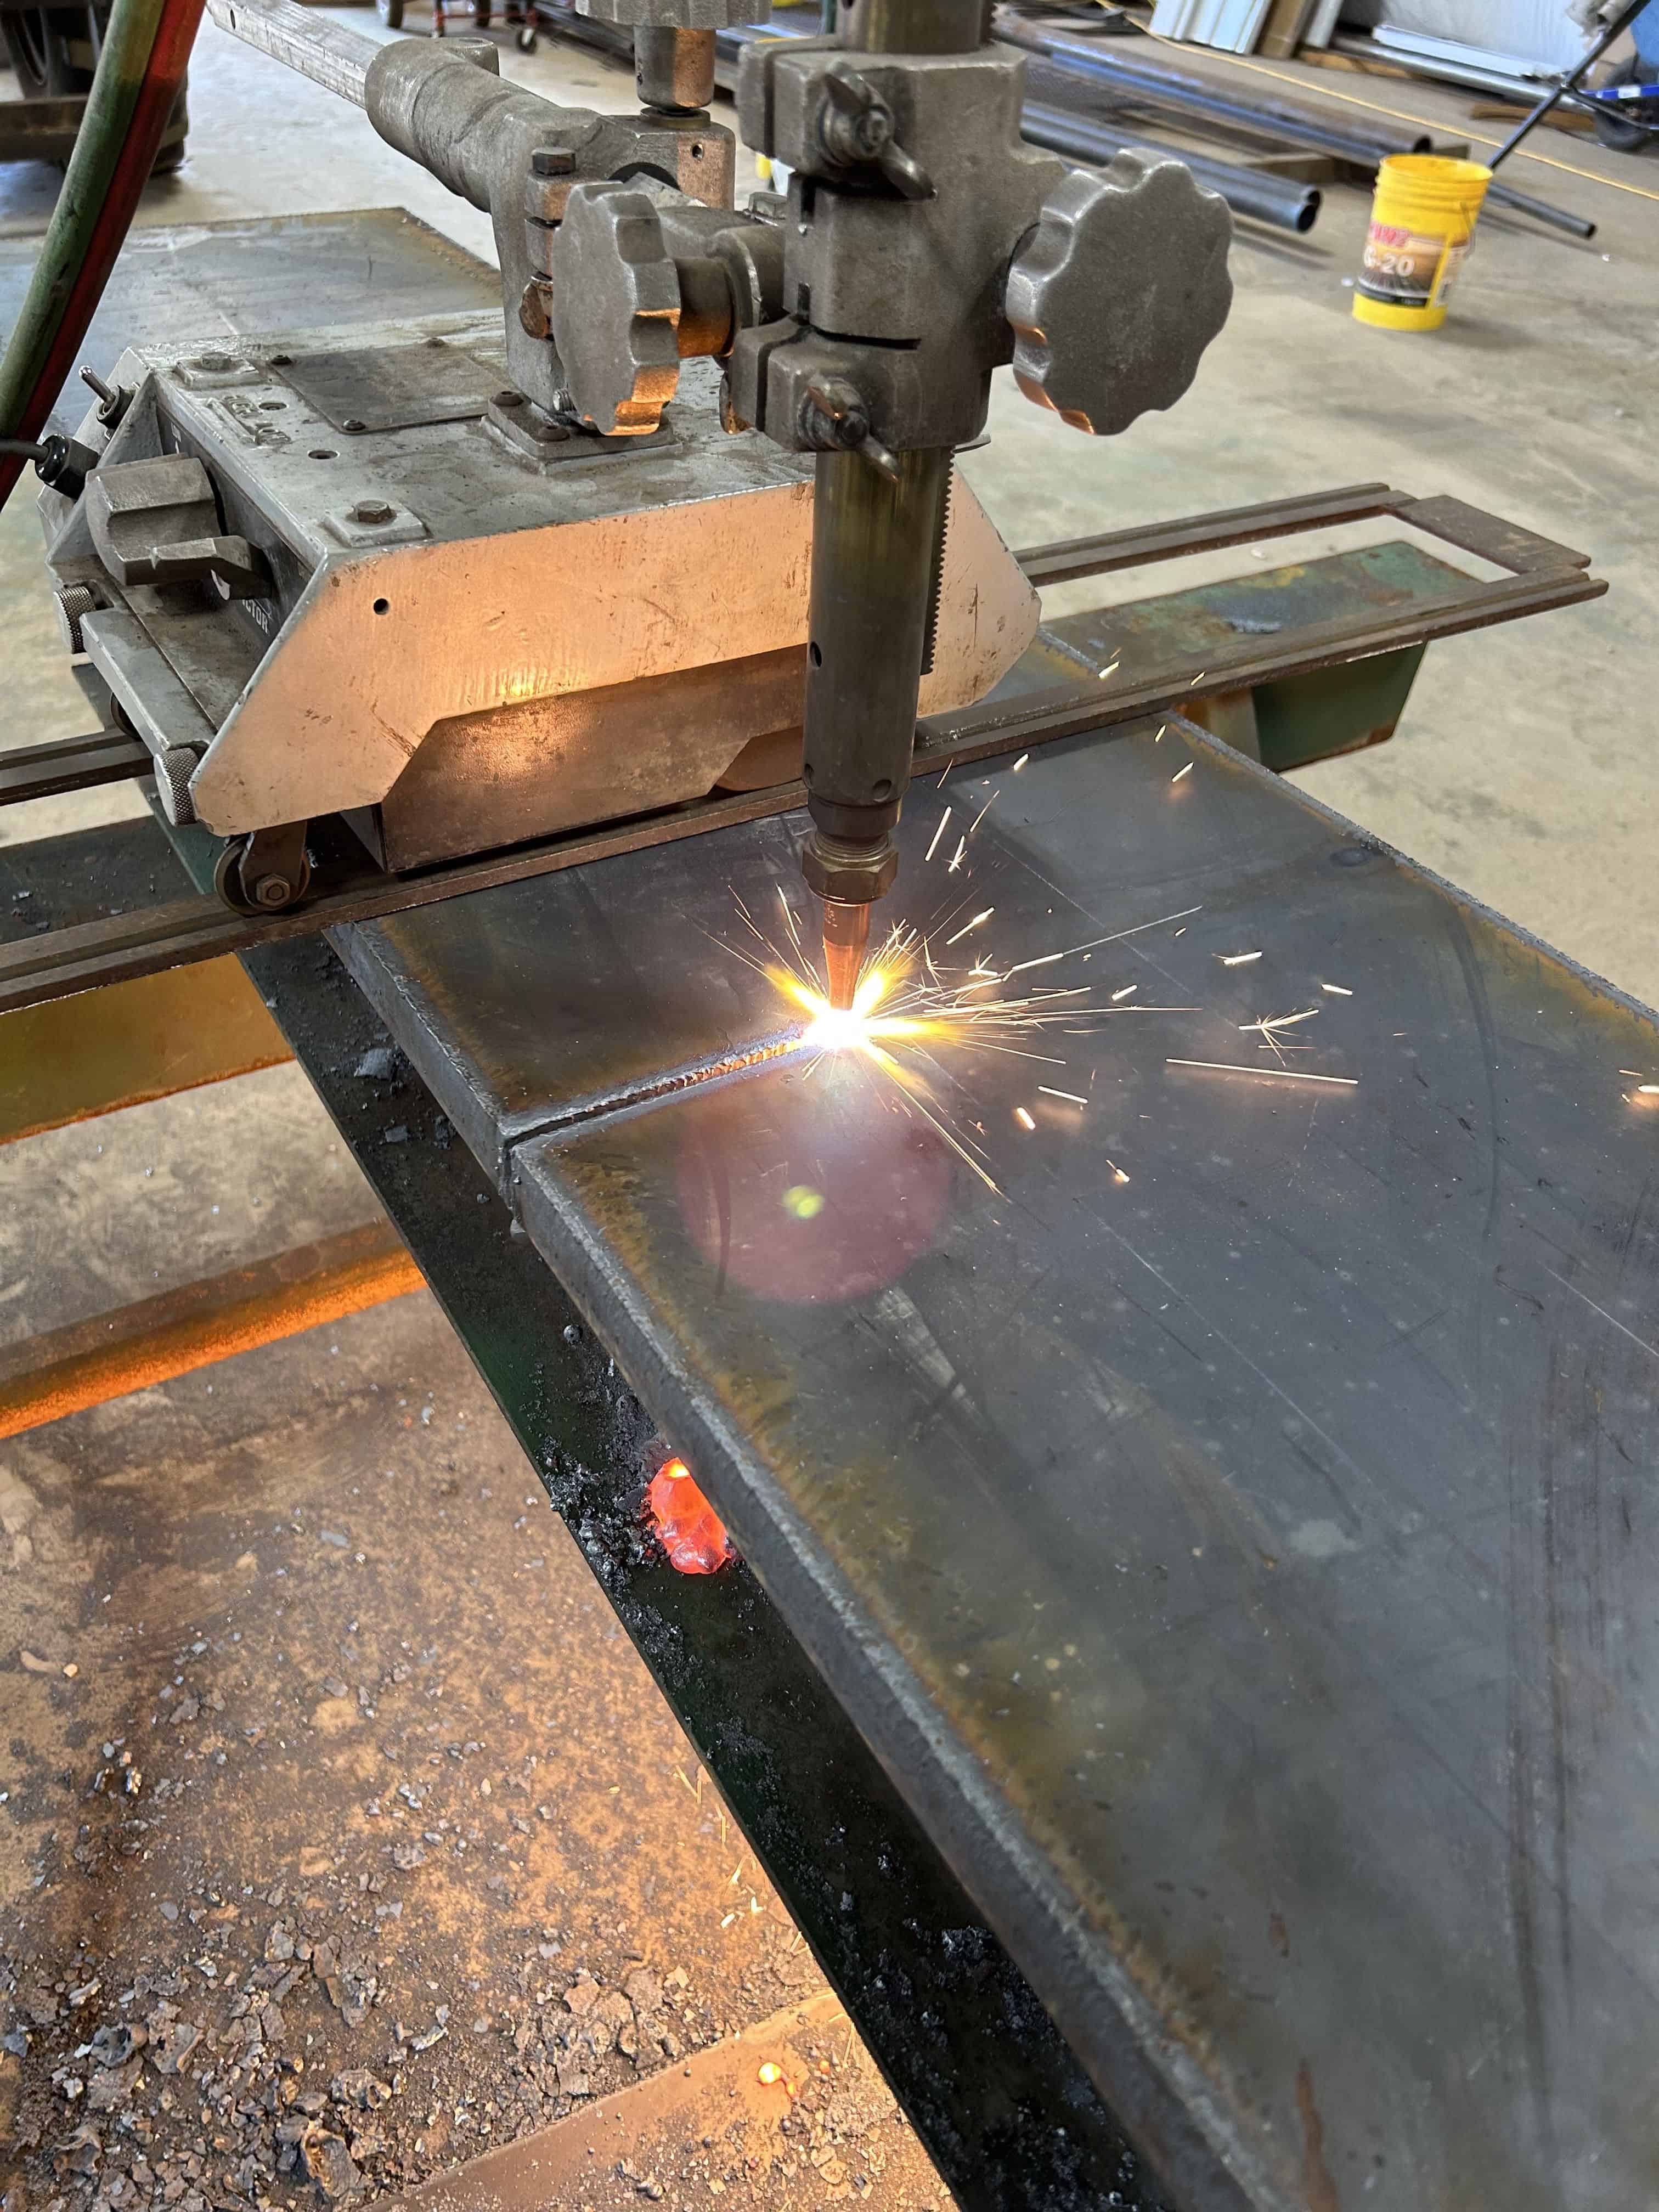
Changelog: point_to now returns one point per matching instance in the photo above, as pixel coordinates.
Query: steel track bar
(1039, 718)
(65, 961)
(1069, 558)
(71, 764)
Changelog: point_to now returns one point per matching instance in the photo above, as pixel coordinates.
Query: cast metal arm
(506, 150)
(922, 247)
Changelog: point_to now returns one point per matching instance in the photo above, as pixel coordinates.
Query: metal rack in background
(1099, 88)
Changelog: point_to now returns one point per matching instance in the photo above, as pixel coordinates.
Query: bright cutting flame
(902, 998)
(907, 1008)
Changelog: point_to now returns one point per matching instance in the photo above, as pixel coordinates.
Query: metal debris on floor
(344, 1901)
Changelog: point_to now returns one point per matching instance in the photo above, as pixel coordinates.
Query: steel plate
(1234, 1530)
(393, 387)
(263, 277)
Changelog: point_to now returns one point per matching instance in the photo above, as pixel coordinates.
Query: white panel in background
(1538, 31)
(1233, 25)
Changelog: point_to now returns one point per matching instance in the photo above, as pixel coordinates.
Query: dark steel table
(1234, 1530)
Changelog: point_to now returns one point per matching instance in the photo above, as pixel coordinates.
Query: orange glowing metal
(769, 2073)
(691, 1532)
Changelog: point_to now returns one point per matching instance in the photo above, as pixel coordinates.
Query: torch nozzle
(846, 938)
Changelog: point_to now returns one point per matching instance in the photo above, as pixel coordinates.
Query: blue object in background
(1645, 32)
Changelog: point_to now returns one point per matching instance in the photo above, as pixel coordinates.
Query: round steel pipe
(1285, 201)
(1156, 84)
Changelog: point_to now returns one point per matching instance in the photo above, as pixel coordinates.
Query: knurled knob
(1117, 290)
(616, 308)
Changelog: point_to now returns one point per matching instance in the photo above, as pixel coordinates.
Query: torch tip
(846, 937)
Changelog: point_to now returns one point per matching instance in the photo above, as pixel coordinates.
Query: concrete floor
(1521, 772)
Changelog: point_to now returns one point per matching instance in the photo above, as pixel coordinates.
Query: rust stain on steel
(1316, 2175)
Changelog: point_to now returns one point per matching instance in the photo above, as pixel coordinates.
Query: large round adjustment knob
(616, 308)
(1117, 291)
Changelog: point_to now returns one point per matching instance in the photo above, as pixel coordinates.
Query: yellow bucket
(1423, 218)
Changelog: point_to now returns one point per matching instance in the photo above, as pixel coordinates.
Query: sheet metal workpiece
(998, 2100)
(1233, 1531)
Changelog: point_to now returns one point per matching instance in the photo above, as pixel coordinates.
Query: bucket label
(1409, 268)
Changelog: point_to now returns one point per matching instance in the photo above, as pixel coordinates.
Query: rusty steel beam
(91, 1362)
(69, 1060)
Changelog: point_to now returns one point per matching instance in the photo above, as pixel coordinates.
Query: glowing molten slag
(692, 1533)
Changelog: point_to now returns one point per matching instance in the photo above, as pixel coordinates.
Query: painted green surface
(1300, 719)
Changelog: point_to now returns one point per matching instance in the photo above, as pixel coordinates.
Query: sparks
(905, 1004)
(956, 857)
(1019, 763)
(1113, 669)
(957, 937)
(1118, 1174)
(1238, 959)
(1182, 773)
(1269, 1026)
(1094, 943)
(912, 1012)
(1269, 1074)
(1337, 990)
(937, 834)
